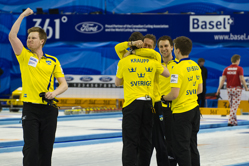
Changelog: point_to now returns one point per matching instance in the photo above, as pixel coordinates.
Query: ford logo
(105, 79)
(89, 27)
(68, 78)
(86, 79)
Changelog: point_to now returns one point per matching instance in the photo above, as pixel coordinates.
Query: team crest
(48, 62)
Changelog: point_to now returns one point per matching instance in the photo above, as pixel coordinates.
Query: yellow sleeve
(160, 68)
(58, 72)
(121, 49)
(148, 53)
(176, 78)
(23, 56)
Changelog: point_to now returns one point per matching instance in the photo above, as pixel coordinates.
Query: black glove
(49, 101)
(165, 101)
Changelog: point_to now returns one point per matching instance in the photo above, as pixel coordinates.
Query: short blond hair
(235, 58)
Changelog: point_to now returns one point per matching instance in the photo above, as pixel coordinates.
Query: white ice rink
(95, 140)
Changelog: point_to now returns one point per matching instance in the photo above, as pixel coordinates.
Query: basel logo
(105, 79)
(210, 23)
(87, 79)
(89, 27)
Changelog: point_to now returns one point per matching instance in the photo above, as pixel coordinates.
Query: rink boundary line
(241, 164)
(9, 121)
(94, 139)
(68, 144)
(67, 139)
(224, 128)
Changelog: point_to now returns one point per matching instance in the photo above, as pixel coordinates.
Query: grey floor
(95, 140)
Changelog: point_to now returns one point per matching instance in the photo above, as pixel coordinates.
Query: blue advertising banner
(204, 29)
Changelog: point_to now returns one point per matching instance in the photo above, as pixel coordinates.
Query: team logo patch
(174, 78)
(161, 117)
(48, 62)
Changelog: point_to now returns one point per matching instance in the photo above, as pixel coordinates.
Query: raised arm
(121, 48)
(148, 53)
(14, 40)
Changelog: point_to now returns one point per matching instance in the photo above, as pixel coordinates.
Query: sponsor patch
(33, 61)
(174, 78)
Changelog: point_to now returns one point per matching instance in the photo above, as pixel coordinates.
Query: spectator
(204, 73)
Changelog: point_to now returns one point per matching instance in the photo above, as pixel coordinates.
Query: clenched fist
(27, 12)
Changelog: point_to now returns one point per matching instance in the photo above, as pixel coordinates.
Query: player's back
(138, 75)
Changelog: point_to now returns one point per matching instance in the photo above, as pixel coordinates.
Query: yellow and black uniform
(150, 53)
(158, 131)
(138, 74)
(158, 140)
(39, 120)
(37, 75)
(186, 75)
(164, 82)
(121, 49)
(166, 110)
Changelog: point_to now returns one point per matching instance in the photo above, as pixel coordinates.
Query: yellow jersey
(143, 52)
(164, 82)
(150, 53)
(138, 74)
(186, 75)
(121, 49)
(37, 75)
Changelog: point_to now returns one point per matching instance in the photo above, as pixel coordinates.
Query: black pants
(39, 124)
(202, 98)
(158, 139)
(168, 118)
(185, 128)
(137, 133)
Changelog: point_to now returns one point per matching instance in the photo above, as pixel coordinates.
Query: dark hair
(135, 36)
(152, 37)
(165, 38)
(235, 57)
(201, 60)
(184, 44)
(42, 33)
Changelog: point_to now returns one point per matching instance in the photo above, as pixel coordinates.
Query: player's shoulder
(53, 58)
(27, 51)
(240, 67)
